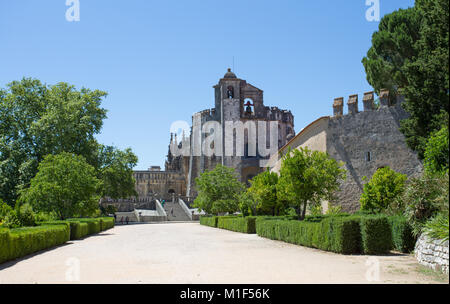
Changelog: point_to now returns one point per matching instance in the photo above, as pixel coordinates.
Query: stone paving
(191, 253)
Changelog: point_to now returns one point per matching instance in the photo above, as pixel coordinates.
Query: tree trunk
(304, 211)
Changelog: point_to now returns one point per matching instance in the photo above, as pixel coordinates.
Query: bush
(376, 234)
(80, 228)
(403, 239)
(425, 197)
(26, 216)
(209, 221)
(4, 243)
(384, 187)
(438, 227)
(106, 223)
(237, 224)
(93, 224)
(437, 152)
(336, 234)
(16, 243)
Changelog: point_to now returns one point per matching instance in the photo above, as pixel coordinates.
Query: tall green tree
(116, 171)
(411, 51)
(308, 177)
(37, 120)
(65, 184)
(219, 190)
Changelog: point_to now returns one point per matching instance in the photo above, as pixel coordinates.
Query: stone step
(178, 212)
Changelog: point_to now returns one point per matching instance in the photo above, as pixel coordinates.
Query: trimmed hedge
(340, 234)
(238, 224)
(210, 221)
(403, 239)
(94, 224)
(106, 223)
(376, 234)
(80, 228)
(18, 242)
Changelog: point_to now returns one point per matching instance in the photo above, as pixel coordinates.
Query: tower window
(230, 92)
(249, 107)
(368, 156)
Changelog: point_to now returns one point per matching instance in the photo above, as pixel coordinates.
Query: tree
(410, 51)
(264, 190)
(383, 188)
(247, 204)
(37, 120)
(308, 177)
(218, 191)
(437, 152)
(65, 184)
(116, 172)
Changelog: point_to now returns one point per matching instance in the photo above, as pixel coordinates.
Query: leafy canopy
(410, 51)
(219, 191)
(308, 177)
(65, 184)
(263, 189)
(37, 120)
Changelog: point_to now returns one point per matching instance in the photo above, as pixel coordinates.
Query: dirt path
(191, 253)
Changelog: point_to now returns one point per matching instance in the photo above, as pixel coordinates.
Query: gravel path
(191, 253)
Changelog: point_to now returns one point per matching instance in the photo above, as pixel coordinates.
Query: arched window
(249, 107)
(230, 92)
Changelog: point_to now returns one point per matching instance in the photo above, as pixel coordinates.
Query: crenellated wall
(364, 140)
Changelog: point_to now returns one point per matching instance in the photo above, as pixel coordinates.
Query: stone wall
(432, 253)
(366, 141)
(128, 205)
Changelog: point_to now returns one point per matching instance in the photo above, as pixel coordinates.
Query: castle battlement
(368, 102)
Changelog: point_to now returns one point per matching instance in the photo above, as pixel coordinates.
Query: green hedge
(4, 243)
(376, 234)
(340, 234)
(16, 243)
(106, 223)
(80, 228)
(403, 239)
(237, 223)
(94, 224)
(209, 221)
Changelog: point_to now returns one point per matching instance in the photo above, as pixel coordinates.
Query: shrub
(337, 234)
(209, 221)
(425, 197)
(106, 223)
(5, 209)
(4, 244)
(11, 220)
(93, 224)
(438, 227)
(26, 216)
(403, 239)
(19, 242)
(238, 224)
(437, 152)
(384, 187)
(376, 234)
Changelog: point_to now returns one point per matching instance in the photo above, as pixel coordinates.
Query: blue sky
(158, 60)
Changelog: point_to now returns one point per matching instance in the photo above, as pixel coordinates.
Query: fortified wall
(368, 140)
(364, 140)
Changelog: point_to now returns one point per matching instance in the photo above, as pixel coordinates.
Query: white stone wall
(432, 253)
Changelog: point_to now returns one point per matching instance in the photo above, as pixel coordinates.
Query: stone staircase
(178, 213)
